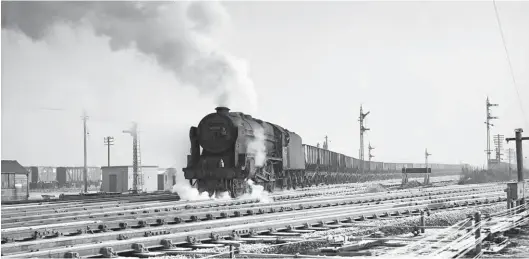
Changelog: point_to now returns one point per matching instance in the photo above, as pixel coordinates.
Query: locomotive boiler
(230, 148)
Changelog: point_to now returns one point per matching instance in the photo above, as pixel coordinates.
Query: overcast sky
(423, 69)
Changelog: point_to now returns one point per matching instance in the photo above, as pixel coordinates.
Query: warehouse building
(120, 178)
(15, 181)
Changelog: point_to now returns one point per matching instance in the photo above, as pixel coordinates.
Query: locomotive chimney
(222, 110)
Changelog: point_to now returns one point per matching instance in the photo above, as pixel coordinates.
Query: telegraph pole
(85, 168)
(109, 141)
(369, 147)
(489, 118)
(362, 130)
(519, 164)
(519, 154)
(134, 133)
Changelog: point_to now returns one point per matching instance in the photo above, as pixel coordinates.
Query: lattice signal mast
(498, 143)
(489, 118)
(362, 130)
(134, 133)
(85, 168)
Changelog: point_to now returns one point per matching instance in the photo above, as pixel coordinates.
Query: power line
(510, 63)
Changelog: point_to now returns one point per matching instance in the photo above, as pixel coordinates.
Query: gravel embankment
(389, 227)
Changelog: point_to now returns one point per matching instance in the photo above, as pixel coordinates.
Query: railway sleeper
(156, 233)
(308, 229)
(108, 252)
(72, 255)
(103, 228)
(326, 225)
(278, 232)
(218, 240)
(357, 201)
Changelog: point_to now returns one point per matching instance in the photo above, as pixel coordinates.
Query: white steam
(186, 191)
(189, 193)
(257, 147)
(257, 192)
(178, 35)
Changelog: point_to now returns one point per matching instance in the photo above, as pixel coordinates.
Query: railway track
(24, 215)
(185, 227)
(72, 226)
(47, 215)
(185, 213)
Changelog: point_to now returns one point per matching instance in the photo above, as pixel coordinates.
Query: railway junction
(437, 218)
(347, 220)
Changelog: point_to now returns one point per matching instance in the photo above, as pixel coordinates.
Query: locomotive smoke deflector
(223, 110)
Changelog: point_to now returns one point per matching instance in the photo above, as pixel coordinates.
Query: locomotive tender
(229, 148)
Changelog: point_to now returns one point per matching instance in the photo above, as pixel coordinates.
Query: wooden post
(477, 218)
(422, 221)
(232, 252)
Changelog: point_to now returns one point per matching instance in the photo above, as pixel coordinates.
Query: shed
(166, 179)
(14, 181)
(120, 178)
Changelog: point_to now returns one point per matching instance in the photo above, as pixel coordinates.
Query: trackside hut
(120, 178)
(14, 181)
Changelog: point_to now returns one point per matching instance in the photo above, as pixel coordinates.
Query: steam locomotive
(229, 148)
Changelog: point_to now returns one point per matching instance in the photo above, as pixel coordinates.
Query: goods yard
(158, 225)
(327, 208)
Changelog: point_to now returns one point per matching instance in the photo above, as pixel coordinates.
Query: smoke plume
(178, 35)
(257, 147)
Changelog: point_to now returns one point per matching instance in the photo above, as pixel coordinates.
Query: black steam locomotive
(228, 156)
(229, 148)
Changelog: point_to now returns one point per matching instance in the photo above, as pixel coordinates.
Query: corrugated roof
(12, 166)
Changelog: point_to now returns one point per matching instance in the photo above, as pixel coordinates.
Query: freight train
(47, 177)
(230, 148)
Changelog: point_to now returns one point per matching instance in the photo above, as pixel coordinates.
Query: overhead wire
(510, 63)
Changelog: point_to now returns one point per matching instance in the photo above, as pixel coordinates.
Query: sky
(422, 69)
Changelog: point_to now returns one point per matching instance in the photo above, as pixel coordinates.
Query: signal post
(516, 191)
